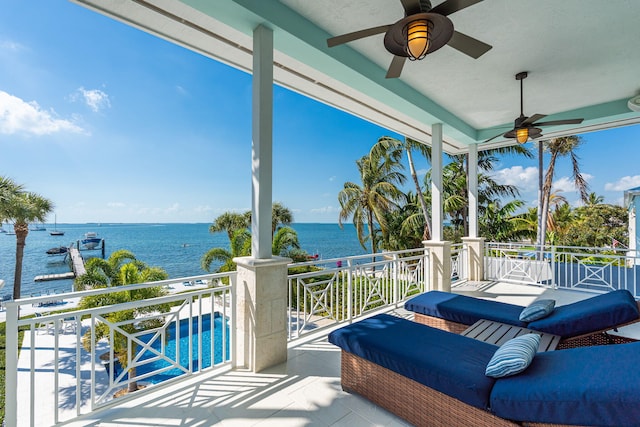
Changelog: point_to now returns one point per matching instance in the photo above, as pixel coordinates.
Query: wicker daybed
(582, 323)
(431, 377)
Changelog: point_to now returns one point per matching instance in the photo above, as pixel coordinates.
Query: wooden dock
(58, 276)
(77, 262)
(77, 267)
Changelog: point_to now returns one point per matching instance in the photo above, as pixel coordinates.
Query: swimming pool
(171, 350)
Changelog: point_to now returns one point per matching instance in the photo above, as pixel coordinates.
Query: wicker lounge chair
(430, 377)
(582, 323)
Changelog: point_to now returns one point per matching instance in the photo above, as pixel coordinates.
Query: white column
(439, 251)
(437, 212)
(473, 190)
(262, 147)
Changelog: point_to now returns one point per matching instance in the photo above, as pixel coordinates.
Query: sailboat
(55, 231)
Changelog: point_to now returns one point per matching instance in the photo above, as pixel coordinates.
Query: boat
(38, 228)
(91, 240)
(55, 231)
(60, 250)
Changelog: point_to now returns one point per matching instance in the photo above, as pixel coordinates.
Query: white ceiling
(581, 55)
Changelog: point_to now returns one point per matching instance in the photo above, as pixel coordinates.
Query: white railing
(65, 371)
(459, 255)
(339, 290)
(568, 267)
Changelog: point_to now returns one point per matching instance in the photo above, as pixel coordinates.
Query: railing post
(396, 282)
(554, 282)
(349, 290)
(11, 371)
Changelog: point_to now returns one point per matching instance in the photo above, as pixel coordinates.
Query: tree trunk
(374, 247)
(133, 386)
(546, 193)
(21, 230)
(426, 234)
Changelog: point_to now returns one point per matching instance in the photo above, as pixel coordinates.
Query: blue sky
(114, 125)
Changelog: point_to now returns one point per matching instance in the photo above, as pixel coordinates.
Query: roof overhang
(578, 66)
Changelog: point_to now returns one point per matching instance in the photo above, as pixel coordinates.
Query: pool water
(182, 348)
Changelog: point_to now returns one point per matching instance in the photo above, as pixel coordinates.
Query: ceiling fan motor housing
(395, 40)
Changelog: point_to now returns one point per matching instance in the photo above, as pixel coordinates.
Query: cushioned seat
(464, 309)
(598, 385)
(422, 354)
(601, 312)
(593, 314)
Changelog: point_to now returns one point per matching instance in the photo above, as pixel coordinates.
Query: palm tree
(240, 246)
(280, 215)
(487, 161)
(594, 199)
(560, 147)
(285, 239)
(122, 268)
(22, 208)
(230, 222)
(389, 144)
(368, 204)
(500, 223)
(101, 272)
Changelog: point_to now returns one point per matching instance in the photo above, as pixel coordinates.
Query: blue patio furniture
(432, 377)
(580, 323)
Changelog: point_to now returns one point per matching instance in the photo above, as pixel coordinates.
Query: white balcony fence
(339, 290)
(64, 371)
(580, 268)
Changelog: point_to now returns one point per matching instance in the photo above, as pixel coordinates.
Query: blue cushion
(537, 310)
(592, 314)
(514, 356)
(449, 363)
(464, 309)
(598, 385)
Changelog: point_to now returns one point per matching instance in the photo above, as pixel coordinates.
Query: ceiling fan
(526, 128)
(423, 30)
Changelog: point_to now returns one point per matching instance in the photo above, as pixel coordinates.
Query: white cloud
(525, 179)
(565, 184)
(18, 116)
(95, 99)
(116, 205)
(624, 183)
(325, 210)
(10, 45)
(332, 178)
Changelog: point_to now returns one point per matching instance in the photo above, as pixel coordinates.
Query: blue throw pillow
(514, 356)
(537, 310)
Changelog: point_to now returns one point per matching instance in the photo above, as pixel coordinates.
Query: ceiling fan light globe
(418, 34)
(522, 135)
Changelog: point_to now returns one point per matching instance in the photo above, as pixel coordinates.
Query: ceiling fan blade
(468, 45)
(494, 137)
(349, 37)
(533, 118)
(452, 6)
(560, 122)
(395, 69)
(411, 6)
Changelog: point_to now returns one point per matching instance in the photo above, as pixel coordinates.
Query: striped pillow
(537, 310)
(514, 356)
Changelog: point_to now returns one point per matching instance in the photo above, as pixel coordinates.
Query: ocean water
(177, 248)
